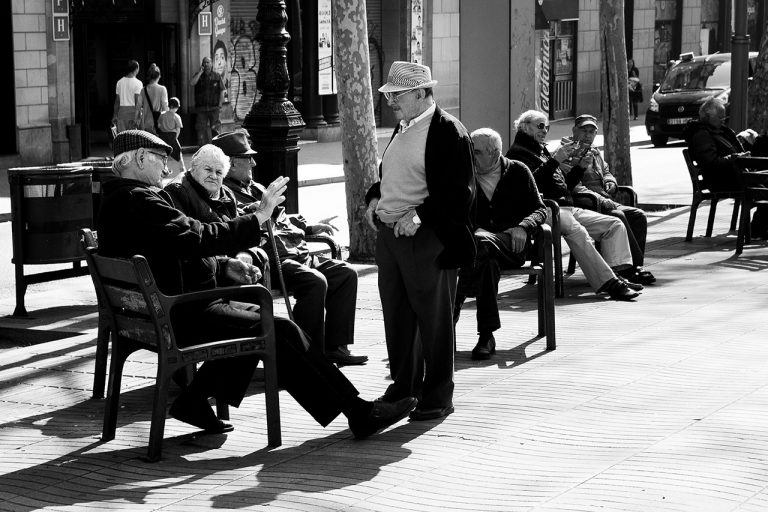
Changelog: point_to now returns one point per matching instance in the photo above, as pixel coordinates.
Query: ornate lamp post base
(273, 123)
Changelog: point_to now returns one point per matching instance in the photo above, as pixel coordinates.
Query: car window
(688, 76)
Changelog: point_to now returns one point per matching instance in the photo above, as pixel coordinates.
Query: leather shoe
(382, 415)
(433, 413)
(643, 277)
(485, 348)
(195, 410)
(343, 357)
(618, 290)
(630, 284)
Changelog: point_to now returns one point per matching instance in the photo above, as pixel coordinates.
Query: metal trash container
(101, 171)
(49, 206)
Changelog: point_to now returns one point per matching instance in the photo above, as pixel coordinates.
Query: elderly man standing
(509, 212)
(421, 210)
(209, 96)
(578, 226)
(599, 186)
(325, 289)
(137, 217)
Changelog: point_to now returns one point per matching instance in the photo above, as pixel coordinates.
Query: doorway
(102, 51)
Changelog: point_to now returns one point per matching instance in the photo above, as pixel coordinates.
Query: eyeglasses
(394, 96)
(542, 126)
(162, 156)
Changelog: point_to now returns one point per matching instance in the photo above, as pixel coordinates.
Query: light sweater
(403, 173)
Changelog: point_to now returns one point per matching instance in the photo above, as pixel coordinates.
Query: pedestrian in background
(209, 96)
(169, 127)
(154, 99)
(126, 114)
(635, 87)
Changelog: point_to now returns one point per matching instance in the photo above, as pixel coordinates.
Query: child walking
(169, 127)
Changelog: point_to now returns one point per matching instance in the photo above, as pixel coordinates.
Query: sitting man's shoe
(433, 413)
(343, 357)
(485, 348)
(629, 284)
(382, 415)
(195, 410)
(618, 290)
(643, 277)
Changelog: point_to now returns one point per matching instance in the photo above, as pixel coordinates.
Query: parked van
(689, 82)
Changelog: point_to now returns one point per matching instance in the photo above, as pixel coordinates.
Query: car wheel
(659, 141)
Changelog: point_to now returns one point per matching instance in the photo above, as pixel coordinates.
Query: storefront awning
(554, 10)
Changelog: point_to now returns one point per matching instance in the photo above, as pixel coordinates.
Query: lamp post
(739, 67)
(273, 122)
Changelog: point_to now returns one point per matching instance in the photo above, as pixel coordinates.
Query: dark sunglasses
(542, 126)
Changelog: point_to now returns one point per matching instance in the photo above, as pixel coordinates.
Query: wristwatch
(416, 219)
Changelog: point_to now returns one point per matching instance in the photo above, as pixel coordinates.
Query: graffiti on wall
(245, 66)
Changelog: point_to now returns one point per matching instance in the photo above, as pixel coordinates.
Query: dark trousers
(635, 221)
(417, 303)
(494, 253)
(207, 124)
(326, 298)
(317, 385)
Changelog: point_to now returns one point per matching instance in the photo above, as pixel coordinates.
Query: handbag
(155, 115)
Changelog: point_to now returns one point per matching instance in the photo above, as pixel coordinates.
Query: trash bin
(101, 171)
(49, 206)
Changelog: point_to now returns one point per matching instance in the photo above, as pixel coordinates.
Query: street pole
(739, 67)
(273, 122)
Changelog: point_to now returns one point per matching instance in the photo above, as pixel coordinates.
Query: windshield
(688, 76)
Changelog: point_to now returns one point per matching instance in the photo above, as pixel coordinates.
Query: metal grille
(562, 98)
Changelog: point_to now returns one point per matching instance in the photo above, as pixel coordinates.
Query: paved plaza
(660, 404)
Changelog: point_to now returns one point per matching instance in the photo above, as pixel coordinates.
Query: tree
(358, 125)
(615, 91)
(758, 89)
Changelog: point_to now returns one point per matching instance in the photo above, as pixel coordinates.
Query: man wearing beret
(421, 209)
(137, 217)
(325, 289)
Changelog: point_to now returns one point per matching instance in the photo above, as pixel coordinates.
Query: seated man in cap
(599, 186)
(509, 212)
(137, 217)
(325, 289)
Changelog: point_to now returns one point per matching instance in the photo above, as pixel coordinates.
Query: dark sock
(357, 408)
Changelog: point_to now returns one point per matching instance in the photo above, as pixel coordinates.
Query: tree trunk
(757, 118)
(615, 91)
(358, 125)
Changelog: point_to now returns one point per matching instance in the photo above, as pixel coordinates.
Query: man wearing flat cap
(421, 208)
(597, 190)
(325, 289)
(137, 217)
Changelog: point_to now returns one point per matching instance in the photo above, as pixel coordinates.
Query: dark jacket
(136, 218)
(711, 148)
(449, 207)
(550, 180)
(515, 202)
(290, 229)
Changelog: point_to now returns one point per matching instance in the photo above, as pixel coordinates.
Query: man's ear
(141, 154)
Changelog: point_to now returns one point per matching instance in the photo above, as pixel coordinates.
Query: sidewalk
(656, 405)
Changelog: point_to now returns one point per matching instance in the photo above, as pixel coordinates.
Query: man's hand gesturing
(272, 196)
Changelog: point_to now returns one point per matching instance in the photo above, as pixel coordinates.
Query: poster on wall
(326, 80)
(417, 32)
(244, 52)
(542, 70)
(221, 52)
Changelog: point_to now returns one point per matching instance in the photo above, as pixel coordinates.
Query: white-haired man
(578, 226)
(509, 212)
(138, 218)
(421, 209)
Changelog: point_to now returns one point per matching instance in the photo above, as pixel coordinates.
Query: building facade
(493, 59)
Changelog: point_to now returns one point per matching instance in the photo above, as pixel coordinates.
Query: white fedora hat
(404, 76)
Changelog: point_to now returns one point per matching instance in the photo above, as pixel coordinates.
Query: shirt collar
(427, 113)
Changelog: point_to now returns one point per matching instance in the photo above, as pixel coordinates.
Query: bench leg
(711, 220)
